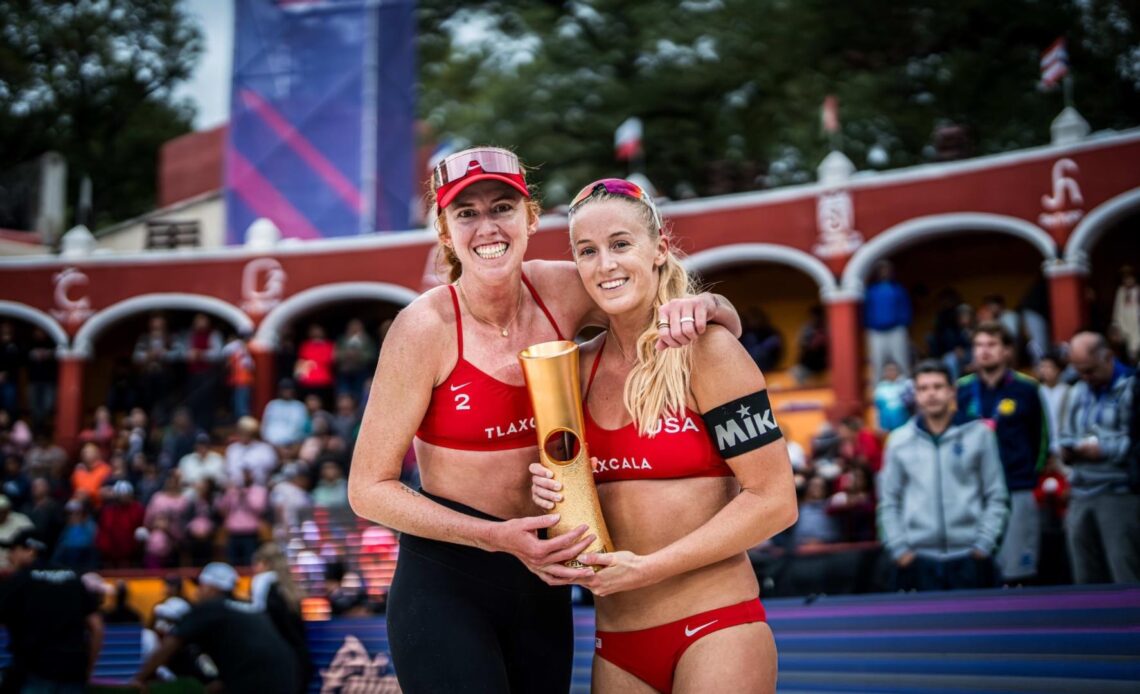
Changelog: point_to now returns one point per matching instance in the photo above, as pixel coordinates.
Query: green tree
(730, 90)
(92, 80)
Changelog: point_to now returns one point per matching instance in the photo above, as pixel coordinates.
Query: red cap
(461, 169)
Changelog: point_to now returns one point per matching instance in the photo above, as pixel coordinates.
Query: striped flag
(627, 139)
(829, 114)
(1054, 64)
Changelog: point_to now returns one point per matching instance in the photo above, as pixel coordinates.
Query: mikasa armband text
(742, 425)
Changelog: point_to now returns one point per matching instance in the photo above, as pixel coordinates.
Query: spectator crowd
(175, 469)
(184, 481)
(1049, 486)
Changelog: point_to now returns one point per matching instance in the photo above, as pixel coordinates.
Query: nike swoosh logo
(463, 385)
(689, 632)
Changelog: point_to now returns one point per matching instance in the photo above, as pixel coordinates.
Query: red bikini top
(473, 411)
(680, 448)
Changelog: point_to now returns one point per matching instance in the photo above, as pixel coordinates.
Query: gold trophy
(551, 370)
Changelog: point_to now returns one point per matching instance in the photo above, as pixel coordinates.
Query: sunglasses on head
(620, 187)
(482, 160)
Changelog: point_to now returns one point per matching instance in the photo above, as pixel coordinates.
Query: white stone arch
(737, 254)
(1093, 226)
(921, 229)
(302, 302)
(96, 324)
(37, 318)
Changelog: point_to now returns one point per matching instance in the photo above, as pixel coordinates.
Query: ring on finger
(686, 319)
(662, 324)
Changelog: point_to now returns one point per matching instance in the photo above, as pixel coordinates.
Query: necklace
(617, 344)
(501, 328)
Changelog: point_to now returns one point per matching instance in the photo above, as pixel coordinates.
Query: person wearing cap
(181, 663)
(250, 453)
(285, 418)
(11, 522)
(449, 384)
(120, 519)
(202, 462)
(240, 639)
(55, 628)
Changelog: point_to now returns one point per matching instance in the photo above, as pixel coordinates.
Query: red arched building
(1069, 213)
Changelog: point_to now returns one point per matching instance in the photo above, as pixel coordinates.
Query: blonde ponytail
(271, 555)
(658, 384)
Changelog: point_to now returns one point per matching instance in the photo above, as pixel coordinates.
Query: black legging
(461, 619)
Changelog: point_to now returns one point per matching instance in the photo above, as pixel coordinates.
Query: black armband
(742, 425)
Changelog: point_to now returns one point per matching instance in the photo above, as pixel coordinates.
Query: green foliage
(730, 90)
(92, 80)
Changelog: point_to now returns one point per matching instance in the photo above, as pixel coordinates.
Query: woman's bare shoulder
(426, 318)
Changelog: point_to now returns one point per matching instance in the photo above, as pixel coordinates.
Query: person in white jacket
(1126, 311)
(943, 503)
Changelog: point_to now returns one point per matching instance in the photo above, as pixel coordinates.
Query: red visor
(461, 169)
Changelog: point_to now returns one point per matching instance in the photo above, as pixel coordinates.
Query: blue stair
(1067, 639)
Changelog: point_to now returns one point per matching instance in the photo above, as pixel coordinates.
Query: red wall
(1001, 186)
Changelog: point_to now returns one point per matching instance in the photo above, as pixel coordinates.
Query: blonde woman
(464, 613)
(690, 465)
(273, 590)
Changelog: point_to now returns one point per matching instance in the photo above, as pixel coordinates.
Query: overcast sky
(209, 88)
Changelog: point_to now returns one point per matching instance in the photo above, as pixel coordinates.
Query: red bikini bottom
(652, 654)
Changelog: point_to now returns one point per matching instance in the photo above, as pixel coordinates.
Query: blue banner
(321, 130)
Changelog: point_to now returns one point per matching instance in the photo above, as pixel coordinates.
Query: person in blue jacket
(887, 315)
(1010, 404)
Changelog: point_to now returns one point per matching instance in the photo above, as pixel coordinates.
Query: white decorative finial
(1069, 127)
(263, 233)
(835, 169)
(78, 242)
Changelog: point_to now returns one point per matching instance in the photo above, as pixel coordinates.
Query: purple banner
(321, 130)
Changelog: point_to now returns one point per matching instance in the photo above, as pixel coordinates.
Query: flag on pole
(627, 139)
(829, 114)
(1054, 64)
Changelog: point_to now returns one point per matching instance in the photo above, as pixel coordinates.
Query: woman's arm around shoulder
(574, 309)
(560, 286)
